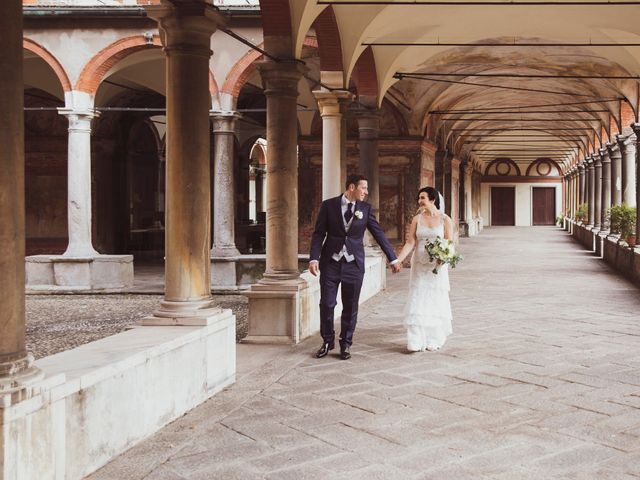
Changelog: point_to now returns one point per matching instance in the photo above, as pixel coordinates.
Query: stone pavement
(540, 380)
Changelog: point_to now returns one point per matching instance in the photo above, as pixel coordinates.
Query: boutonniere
(358, 214)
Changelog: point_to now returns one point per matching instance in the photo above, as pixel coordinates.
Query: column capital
(281, 78)
(626, 141)
(581, 165)
(330, 102)
(604, 155)
(636, 129)
(186, 27)
(615, 151)
(368, 122)
(224, 121)
(79, 120)
(597, 160)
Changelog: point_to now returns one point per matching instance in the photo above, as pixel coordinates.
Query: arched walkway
(539, 380)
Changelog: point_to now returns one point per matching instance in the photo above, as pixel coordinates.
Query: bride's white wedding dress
(428, 310)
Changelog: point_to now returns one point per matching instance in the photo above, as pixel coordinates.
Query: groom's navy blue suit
(329, 237)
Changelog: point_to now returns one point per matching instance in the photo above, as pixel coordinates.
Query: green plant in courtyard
(614, 215)
(627, 221)
(582, 212)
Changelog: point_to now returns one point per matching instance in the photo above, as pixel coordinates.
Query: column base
(277, 312)
(223, 272)
(195, 313)
(18, 380)
(65, 274)
(224, 251)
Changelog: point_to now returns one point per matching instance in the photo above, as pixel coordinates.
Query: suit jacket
(330, 234)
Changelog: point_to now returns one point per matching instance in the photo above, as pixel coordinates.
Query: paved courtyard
(540, 380)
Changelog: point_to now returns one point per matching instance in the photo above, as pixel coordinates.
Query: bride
(427, 311)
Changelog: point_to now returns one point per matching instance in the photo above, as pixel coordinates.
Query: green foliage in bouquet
(442, 251)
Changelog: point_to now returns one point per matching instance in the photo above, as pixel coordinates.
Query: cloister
(201, 137)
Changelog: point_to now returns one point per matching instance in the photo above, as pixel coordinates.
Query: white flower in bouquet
(442, 251)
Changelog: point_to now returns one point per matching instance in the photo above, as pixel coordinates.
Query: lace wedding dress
(428, 310)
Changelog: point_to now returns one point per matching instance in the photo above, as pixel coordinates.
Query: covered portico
(503, 103)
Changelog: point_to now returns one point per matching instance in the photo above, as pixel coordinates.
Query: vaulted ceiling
(520, 79)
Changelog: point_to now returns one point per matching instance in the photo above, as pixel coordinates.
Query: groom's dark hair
(354, 178)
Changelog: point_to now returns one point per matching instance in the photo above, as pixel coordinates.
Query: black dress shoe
(345, 354)
(324, 349)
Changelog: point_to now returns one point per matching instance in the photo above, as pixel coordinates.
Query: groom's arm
(319, 234)
(378, 234)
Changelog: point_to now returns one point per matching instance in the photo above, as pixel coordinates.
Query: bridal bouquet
(442, 251)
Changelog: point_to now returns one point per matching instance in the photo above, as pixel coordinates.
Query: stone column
(331, 113)
(576, 188)
(224, 252)
(636, 179)
(16, 365)
(186, 32)
(605, 199)
(344, 108)
(79, 182)
(627, 146)
(576, 193)
(597, 191)
(616, 173)
(582, 184)
(369, 165)
(369, 129)
(281, 90)
(591, 190)
(275, 302)
(571, 181)
(567, 193)
(224, 244)
(468, 197)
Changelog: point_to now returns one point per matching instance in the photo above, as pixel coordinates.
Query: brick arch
(52, 61)
(213, 85)
(513, 164)
(277, 27)
(627, 114)
(329, 43)
(364, 74)
(242, 70)
(538, 161)
(94, 71)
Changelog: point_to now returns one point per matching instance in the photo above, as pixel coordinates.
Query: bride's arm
(448, 228)
(411, 241)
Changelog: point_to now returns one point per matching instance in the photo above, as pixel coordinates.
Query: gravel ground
(61, 322)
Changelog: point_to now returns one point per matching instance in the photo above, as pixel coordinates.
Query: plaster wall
(100, 399)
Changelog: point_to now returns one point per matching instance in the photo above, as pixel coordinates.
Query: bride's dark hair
(432, 193)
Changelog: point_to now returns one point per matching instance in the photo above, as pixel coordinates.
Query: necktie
(348, 214)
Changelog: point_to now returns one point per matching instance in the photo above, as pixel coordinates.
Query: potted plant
(628, 224)
(614, 214)
(582, 213)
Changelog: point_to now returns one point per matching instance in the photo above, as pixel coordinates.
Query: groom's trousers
(348, 277)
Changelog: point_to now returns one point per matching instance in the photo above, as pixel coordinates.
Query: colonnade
(603, 179)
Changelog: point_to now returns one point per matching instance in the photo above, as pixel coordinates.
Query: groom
(337, 251)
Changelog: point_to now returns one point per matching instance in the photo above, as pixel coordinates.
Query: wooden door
(544, 205)
(503, 206)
